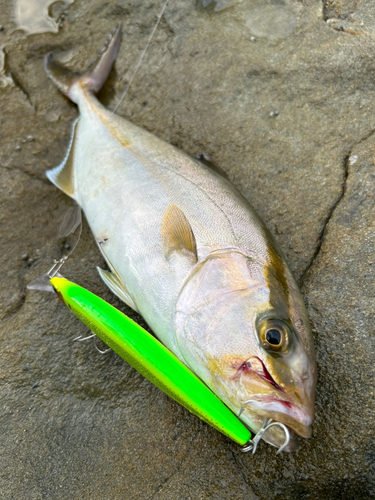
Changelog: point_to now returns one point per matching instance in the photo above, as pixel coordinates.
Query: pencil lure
(150, 358)
(189, 253)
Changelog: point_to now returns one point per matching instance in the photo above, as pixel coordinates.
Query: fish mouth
(277, 405)
(282, 411)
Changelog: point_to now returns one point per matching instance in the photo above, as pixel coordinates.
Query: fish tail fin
(95, 75)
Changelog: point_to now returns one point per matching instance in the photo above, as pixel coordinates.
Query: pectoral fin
(116, 285)
(176, 233)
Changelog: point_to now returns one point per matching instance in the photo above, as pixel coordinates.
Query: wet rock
(340, 292)
(339, 8)
(76, 424)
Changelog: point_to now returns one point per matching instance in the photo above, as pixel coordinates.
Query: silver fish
(189, 253)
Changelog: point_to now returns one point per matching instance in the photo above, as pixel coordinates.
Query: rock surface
(282, 96)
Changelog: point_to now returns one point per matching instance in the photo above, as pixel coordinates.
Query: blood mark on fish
(256, 366)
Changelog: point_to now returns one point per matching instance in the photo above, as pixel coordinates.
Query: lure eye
(275, 335)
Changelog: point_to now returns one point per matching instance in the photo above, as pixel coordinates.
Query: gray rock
(290, 118)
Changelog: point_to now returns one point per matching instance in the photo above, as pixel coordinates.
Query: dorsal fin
(62, 176)
(176, 232)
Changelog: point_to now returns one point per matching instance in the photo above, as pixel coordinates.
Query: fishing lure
(155, 362)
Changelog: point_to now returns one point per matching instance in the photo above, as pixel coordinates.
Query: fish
(188, 253)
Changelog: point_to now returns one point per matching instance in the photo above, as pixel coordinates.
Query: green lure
(151, 358)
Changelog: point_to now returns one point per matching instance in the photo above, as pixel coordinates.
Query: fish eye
(274, 334)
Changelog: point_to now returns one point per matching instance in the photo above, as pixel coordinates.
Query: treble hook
(56, 267)
(80, 339)
(267, 424)
(95, 337)
(97, 348)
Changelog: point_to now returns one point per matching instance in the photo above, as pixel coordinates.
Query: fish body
(189, 253)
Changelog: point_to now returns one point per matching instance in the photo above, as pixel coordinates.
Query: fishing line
(42, 282)
(138, 64)
(60, 263)
(72, 220)
(142, 55)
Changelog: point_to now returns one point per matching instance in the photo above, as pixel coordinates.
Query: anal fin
(116, 285)
(62, 176)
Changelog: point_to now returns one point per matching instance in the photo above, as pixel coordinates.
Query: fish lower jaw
(281, 411)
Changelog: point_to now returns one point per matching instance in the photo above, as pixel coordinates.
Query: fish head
(242, 327)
